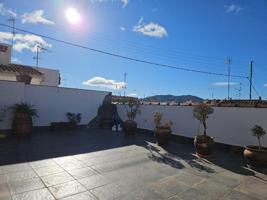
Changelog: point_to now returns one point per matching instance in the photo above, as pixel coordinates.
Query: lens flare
(72, 16)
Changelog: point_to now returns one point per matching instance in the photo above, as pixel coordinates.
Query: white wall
(51, 102)
(7, 76)
(5, 56)
(51, 76)
(226, 125)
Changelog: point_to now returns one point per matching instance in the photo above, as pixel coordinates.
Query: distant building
(23, 73)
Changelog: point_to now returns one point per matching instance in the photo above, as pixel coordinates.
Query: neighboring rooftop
(20, 69)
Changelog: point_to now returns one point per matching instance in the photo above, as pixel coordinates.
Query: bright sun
(72, 15)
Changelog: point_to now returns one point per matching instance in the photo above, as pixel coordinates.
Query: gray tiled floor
(97, 164)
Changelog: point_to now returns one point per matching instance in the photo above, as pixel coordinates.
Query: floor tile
(42, 194)
(66, 189)
(81, 173)
(254, 187)
(93, 181)
(18, 176)
(25, 185)
(107, 192)
(235, 195)
(56, 179)
(43, 163)
(4, 191)
(44, 171)
(81, 196)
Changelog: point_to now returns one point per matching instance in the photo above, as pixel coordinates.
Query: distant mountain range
(172, 98)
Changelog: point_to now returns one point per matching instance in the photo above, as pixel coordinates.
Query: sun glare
(72, 15)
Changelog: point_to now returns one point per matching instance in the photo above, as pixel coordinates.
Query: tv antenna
(39, 48)
(229, 61)
(239, 90)
(12, 20)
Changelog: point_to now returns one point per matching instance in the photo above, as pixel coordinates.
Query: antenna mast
(229, 74)
(12, 19)
(39, 48)
(125, 76)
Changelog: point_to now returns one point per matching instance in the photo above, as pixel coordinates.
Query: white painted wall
(50, 76)
(52, 102)
(226, 125)
(5, 56)
(7, 76)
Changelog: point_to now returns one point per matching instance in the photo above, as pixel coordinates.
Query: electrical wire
(122, 56)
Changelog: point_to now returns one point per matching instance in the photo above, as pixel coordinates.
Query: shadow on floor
(50, 145)
(174, 153)
(46, 145)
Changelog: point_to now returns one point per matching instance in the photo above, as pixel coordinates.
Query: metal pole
(125, 75)
(250, 79)
(229, 74)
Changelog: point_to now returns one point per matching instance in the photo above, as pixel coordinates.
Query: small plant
(259, 132)
(157, 120)
(74, 118)
(132, 108)
(25, 108)
(201, 112)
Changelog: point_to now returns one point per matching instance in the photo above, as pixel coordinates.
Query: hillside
(172, 98)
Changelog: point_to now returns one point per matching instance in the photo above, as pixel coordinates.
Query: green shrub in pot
(22, 121)
(256, 156)
(203, 143)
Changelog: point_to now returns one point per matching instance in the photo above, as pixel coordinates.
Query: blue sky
(198, 35)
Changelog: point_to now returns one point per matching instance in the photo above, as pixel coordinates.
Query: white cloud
(233, 8)
(224, 83)
(6, 11)
(122, 28)
(24, 41)
(124, 3)
(16, 60)
(102, 82)
(36, 17)
(151, 29)
(265, 85)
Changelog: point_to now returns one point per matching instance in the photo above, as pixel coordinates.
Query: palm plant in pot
(22, 121)
(132, 109)
(162, 131)
(74, 119)
(203, 143)
(256, 155)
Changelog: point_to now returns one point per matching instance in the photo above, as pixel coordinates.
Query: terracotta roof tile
(20, 69)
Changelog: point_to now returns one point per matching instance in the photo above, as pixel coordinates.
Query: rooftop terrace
(100, 164)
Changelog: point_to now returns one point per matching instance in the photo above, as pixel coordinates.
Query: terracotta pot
(163, 134)
(204, 145)
(256, 157)
(129, 127)
(24, 78)
(22, 124)
(106, 124)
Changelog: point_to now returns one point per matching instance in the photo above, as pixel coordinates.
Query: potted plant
(74, 118)
(162, 131)
(203, 143)
(22, 121)
(132, 109)
(256, 155)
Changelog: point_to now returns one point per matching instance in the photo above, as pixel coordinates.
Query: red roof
(20, 69)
